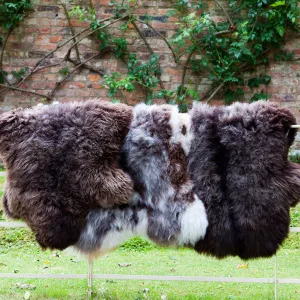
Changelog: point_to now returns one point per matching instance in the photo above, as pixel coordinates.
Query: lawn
(20, 254)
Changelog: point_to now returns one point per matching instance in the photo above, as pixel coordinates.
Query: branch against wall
(220, 45)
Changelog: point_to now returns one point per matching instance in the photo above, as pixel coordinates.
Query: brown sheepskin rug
(94, 174)
(240, 169)
(61, 163)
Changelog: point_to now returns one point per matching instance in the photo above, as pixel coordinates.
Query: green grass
(20, 253)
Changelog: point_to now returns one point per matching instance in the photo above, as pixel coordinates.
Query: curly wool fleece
(165, 207)
(61, 163)
(239, 166)
(149, 172)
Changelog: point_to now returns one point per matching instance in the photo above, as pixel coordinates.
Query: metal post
(275, 277)
(90, 279)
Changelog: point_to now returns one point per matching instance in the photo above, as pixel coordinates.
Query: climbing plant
(12, 13)
(232, 52)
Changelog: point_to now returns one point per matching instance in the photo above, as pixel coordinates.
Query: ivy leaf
(193, 93)
(265, 79)
(259, 96)
(280, 30)
(254, 82)
(278, 3)
(1, 77)
(171, 13)
(231, 95)
(64, 71)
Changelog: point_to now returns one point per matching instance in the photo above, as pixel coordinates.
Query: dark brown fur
(240, 169)
(61, 162)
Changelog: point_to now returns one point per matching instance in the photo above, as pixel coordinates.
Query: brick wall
(48, 27)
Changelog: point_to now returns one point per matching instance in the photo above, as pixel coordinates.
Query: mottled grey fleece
(164, 208)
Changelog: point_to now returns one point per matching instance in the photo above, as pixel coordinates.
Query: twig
(166, 41)
(76, 63)
(48, 66)
(25, 91)
(2, 54)
(149, 48)
(58, 83)
(225, 12)
(71, 27)
(92, 32)
(215, 92)
(223, 32)
(34, 70)
(142, 36)
(184, 70)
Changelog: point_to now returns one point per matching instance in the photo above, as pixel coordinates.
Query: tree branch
(225, 12)
(166, 41)
(95, 30)
(2, 54)
(215, 92)
(71, 27)
(34, 70)
(25, 91)
(149, 48)
(76, 63)
(58, 83)
(185, 69)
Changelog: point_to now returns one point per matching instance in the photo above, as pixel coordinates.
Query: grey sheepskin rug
(91, 175)
(164, 207)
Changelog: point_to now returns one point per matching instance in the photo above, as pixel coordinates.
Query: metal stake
(90, 279)
(275, 277)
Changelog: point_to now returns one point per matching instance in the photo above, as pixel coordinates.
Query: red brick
(45, 30)
(75, 85)
(95, 86)
(94, 77)
(77, 23)
(46, 47)
(31, 29)
(56, 38)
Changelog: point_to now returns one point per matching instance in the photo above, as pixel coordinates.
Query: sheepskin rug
(91, 175)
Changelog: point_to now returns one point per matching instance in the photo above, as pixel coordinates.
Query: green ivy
(12, 12)
(252, 30)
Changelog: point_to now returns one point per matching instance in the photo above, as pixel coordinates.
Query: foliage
(251, 33)
(137, 244)
(12, 12)
(240, 44)
(295, 158)
(64, 71)
(228, 49)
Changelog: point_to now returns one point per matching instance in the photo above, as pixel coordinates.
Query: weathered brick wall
(48, 27)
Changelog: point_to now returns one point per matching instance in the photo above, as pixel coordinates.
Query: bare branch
(76, 63)
(58, 83)
(25, 91)
(71, 27)
(92, 32)
(149, 48)
(214, 92)
(225, 12)
(166, 41)
(185, 69)
(2, 54)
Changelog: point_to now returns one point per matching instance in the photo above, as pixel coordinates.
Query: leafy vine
(250, 35)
